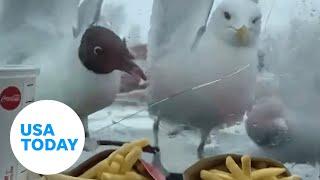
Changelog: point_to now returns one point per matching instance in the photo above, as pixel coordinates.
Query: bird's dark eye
(255, 20)
(97, 50)
(227, 15)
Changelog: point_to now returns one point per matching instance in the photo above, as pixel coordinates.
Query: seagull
(267, 123)
(84, 75)
(229, 44)
(89, 11)
(84, 71)
(284, 123)
(280, 132)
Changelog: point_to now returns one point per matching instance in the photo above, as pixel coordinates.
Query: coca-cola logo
(10, 98)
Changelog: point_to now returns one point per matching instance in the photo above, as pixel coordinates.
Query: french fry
(110, 176)
(267, 172)
(224, 175)
(119, 151)
(235, 169)
(114, 168)
(247, 172)
(126, 148)
(97, 170)
(119, 163)
(131, 159)
(246, 165)
(118, 158)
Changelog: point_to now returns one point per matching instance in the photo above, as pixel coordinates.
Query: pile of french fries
(247, 172)
(118, 166)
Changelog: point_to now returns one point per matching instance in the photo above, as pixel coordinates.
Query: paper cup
(17, 89)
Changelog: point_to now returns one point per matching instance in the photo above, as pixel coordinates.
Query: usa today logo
(48, 144)
(47, 137)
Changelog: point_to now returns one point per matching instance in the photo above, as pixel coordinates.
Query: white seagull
(229, 44)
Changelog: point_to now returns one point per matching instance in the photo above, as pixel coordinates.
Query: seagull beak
(133, 69)
(243, 35)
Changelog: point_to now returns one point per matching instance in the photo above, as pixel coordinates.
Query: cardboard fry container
(218, 162)
(17, 89)
(149, 170)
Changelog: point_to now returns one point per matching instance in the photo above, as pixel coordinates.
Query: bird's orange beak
(243, 35)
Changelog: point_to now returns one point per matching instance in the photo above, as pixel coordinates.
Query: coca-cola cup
(17, 89)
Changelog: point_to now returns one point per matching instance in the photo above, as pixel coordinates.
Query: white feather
(65, 79)
(62, 76)
(179, 69)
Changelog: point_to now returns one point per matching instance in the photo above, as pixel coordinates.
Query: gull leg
(85, 126)
(90, 143)
(156, 125)
(157, 156)
(204, 137)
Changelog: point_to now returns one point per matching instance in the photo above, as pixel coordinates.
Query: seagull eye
(227, 15)
(97, 50)
(255, 20)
